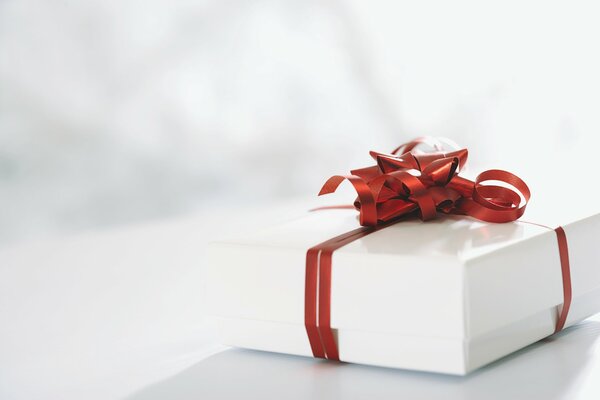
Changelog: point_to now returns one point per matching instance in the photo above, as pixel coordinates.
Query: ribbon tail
(368, 209)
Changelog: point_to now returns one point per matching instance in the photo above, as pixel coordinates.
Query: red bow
(429, 183)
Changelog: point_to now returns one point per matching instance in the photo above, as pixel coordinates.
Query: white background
(131, 131)
(122, 111)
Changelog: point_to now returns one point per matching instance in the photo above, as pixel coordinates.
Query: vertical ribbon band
(565, 267)
(317, 296)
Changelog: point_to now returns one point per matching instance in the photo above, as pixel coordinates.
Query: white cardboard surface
(448, 295)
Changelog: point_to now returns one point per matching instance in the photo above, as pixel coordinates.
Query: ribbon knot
(412, 181)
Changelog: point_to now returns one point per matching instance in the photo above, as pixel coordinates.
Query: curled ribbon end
(492, 203)
(331, 185)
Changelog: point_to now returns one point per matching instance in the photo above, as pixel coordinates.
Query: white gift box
(448, 295)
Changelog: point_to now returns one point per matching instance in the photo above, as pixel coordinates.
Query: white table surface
(120, 314)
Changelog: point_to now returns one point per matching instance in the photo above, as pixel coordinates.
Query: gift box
(448, 295)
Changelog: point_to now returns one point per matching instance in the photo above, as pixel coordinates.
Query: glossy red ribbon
(409, 181)
(429, 183)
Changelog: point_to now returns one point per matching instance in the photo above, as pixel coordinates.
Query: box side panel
(512, 284)
(496, 344)
(493, 345)
(584, 255)
(407, 295)
(418, 353)
(520, 280)
(384, 350)
(256, 282)
(411, 296)
(264, 335)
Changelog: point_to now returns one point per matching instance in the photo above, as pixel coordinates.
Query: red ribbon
(409, 181)
(429, 183)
